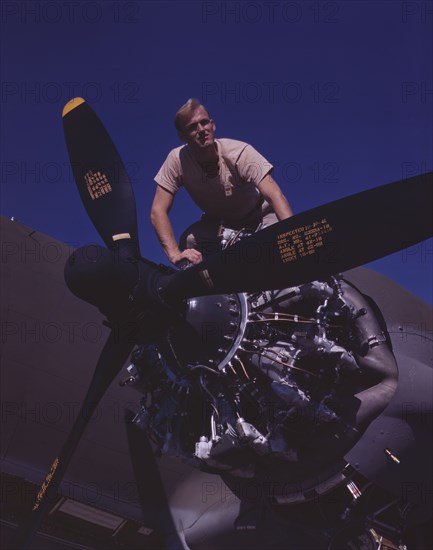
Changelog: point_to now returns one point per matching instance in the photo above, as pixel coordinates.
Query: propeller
(317, 243)
(140, 298)
(100, 276)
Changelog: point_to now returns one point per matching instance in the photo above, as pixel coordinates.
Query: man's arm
(271, 191)
(161, 206)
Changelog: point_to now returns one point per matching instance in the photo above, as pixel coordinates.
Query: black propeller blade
(100, 174)
(114, 354)
(320, 242)
(153, 500)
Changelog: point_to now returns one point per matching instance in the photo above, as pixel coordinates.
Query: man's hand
(159, 216)
(190, 254)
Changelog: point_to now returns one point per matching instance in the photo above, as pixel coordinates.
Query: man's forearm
(273, 194)
(282, 208)
(164, 232)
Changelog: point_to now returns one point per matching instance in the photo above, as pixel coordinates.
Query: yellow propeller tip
(70, 105)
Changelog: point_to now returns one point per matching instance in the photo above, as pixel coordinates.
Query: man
(228, 179)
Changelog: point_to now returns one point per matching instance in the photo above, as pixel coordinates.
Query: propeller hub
(212, 330)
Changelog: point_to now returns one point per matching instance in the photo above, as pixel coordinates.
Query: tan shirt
(230, 195)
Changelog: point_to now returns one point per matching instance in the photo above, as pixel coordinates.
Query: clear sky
(337, 95)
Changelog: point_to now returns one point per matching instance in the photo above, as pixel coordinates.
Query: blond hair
(189, 107)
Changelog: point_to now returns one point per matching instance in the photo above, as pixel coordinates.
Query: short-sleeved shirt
(230, 195)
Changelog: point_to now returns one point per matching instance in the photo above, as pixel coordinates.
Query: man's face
(198, 129)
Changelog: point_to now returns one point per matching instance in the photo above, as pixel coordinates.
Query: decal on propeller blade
(302, 241)
(45, 484)
(97, 184)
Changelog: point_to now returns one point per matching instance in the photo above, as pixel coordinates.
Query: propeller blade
(153, 500)
(318, 243)
(113, 356)
(100, 174)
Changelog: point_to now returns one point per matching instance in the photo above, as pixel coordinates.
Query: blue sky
(337, 95)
